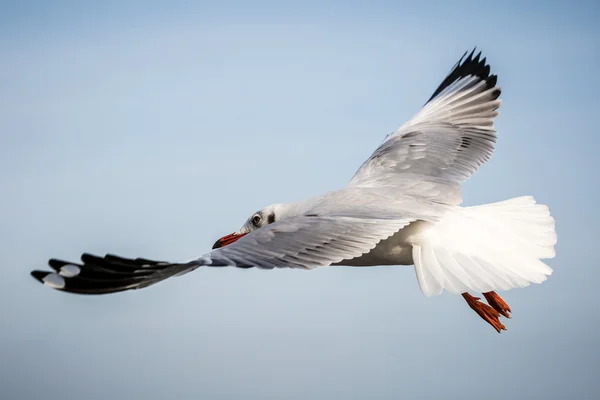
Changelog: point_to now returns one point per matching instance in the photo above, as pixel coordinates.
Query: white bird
(402, 207)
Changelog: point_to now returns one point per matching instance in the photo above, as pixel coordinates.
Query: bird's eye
(256, 220)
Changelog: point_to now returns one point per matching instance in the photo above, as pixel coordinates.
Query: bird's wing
(108, 274)
(445, 142)
(306, 242)
(298, 242)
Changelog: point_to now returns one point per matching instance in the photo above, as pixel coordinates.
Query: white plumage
(485, 248)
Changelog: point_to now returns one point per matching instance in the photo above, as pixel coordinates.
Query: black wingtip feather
(40, 275)
(109, 274)
(471, 65)
(58, 264)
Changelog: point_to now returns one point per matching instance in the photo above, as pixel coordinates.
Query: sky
(152, 129)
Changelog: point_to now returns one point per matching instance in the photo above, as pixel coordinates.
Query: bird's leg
(497, 303)
(490, 315)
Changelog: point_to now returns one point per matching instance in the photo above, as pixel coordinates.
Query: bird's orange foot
(486, 312)
(497, 303)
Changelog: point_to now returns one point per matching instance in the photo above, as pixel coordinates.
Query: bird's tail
(495, 246)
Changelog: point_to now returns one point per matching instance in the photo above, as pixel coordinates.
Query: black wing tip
(96, 275)
(40, 275)
(57, 264)
(472, 65)
(50, 279)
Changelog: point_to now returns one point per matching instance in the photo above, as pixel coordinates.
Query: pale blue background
(148, 129)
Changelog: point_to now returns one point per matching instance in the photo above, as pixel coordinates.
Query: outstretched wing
(298, 242)
(446, 142)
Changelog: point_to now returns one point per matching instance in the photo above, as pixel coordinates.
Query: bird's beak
(228, 239)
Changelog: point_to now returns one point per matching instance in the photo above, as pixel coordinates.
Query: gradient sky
(146, 129)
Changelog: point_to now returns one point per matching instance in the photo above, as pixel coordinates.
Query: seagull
(402, 207)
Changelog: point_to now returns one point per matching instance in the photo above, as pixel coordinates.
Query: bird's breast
(395, 250)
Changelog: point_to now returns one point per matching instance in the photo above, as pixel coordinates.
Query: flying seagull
(402, 207)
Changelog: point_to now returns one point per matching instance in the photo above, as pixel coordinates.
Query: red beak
(228, 239)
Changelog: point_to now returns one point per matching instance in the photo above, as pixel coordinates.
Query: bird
(402, 207)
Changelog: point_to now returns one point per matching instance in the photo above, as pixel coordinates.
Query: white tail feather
(495, 246)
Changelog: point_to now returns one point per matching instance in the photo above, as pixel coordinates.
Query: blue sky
(147, 129)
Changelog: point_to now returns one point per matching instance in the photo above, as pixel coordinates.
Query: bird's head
(257, 220)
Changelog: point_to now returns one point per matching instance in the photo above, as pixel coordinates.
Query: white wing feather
(443, 144)
(305, 242)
